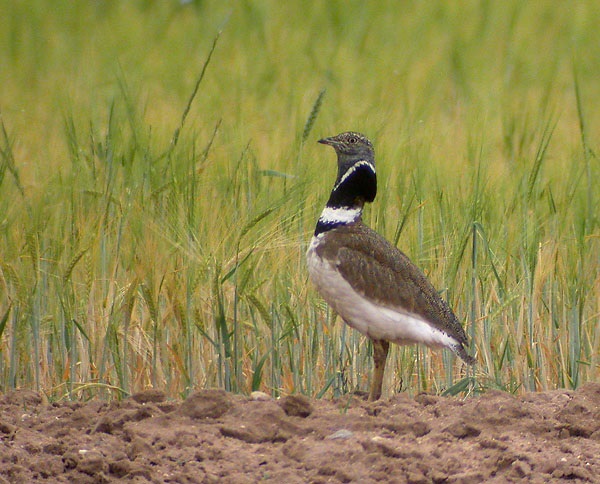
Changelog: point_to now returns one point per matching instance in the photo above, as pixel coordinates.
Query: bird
(373, 286)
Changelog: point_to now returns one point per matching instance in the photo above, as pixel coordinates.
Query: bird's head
(350, 145)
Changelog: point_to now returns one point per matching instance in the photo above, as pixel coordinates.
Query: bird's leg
(380, 352)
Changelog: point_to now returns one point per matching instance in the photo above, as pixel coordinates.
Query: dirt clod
(296, 406)
(149, 396)
(206, 404)
(462, 430)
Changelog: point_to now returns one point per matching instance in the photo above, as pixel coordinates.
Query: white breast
(371, 319)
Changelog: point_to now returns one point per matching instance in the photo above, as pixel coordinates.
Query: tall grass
(159, 183)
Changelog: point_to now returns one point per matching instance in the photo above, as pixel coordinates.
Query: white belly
(372, 320)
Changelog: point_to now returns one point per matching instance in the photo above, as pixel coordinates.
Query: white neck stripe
(352, 169)
(339, 215)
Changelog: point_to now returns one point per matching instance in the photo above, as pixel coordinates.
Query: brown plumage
(383, 274)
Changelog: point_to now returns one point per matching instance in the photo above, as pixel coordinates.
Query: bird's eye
(352, 140)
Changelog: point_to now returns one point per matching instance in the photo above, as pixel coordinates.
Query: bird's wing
(378, 270)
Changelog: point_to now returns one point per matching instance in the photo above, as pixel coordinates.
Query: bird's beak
(327, 141)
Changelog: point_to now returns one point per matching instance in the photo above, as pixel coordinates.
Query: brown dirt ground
(213, 436)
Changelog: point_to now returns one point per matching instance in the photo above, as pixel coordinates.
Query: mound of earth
(214, 436)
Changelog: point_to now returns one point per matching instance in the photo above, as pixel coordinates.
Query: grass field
(160, 180)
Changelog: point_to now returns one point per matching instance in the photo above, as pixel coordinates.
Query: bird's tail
(460, 351)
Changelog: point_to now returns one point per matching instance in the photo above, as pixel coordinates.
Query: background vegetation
(153, 237)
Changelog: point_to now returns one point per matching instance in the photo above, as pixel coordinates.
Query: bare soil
(213, 436)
